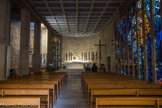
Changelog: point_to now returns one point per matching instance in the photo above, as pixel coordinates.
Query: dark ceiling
(76, 18)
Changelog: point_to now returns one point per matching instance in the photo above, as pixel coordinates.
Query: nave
(72, 95)
(79, 90)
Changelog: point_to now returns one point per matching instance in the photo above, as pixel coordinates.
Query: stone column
(4, 35)
(24, 42)
(49, 49)
(37, 56)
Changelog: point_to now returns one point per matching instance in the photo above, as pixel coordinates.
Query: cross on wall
(100, 52)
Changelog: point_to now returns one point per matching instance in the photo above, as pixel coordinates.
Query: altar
(74, 65)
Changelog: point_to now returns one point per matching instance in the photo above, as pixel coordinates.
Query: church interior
(80, 54)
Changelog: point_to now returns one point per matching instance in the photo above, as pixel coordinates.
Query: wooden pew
(60, 80)
(101, 81)
(44, 81)
(43, 94)
(9, 86)
(128, 102)
(121, 86)
(23, 102)
(143, 86)
(125, 93)
(60, 77)
(106, 86)
(58, 91)
(50, 87)
(55, 83)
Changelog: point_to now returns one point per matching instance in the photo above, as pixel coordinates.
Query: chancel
(81, 53)
(76, 61)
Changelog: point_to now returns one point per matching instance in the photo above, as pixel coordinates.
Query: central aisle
(72, 95)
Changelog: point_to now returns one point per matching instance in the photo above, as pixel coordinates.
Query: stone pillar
(49, 49)
(37, 56)
(24, 42)
(15, 44)
(4, 35)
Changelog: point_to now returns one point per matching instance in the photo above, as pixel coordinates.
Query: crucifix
(100, 46)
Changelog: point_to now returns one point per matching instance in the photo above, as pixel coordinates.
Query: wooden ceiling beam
(35, 14)
(78, 1)
(99, 7)
(100, 17)
(53, 17)
(71, 12)
(76, 17)
(89, 15)
(64, 14)
(67, 23)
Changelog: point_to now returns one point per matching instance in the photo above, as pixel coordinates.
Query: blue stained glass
(148, 37)
(119, 47)
(129, 40)
(134, 38)
(140, 37)
(122, 47)
(158, 41)
(117, 51)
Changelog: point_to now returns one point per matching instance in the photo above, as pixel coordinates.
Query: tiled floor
(72, 95)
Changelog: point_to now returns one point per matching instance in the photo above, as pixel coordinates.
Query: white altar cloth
(74, 65)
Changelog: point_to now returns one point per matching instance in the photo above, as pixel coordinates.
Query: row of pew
(39, 90)
(109, 90)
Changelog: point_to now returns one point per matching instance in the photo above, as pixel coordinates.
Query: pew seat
(128, 102)
(44, 95)
(124, 93)
(16, 102)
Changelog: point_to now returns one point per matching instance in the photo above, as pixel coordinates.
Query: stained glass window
(117, 46)
(157, 29)
(140, 38)
(122, 47)
(129, 41)
(134, 38)
(130, 30)
(148, 37)
(125, 46)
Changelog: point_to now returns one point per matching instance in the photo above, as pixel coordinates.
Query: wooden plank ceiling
(76, 18)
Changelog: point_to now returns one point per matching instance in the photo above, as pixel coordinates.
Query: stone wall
(108, 36)
(15, 43)
(78, 45)
(44, 40)
(44, 36)
(86, 44)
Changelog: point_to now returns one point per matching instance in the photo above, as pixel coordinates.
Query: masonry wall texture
(86, 44)
(77, 45)
(44, 40)
(15, 43)
(44, 36)
(108, 36)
